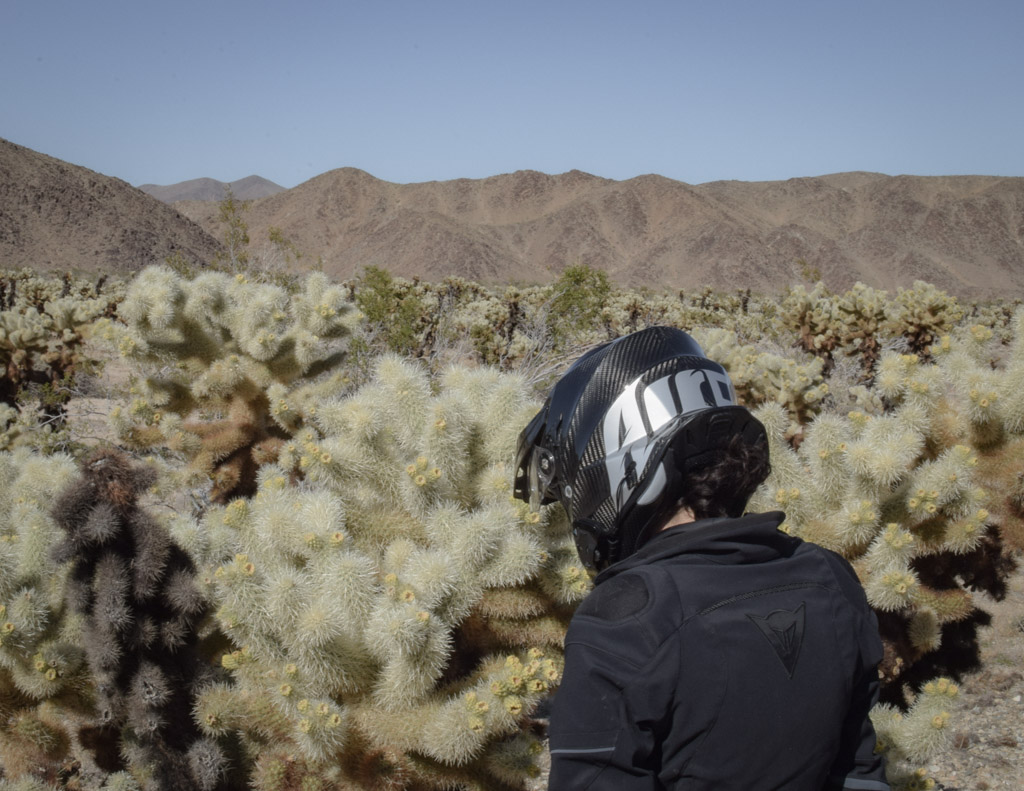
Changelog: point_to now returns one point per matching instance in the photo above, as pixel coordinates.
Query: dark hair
(723, 486)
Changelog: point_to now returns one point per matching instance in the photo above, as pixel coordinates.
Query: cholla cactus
(922, 315)
(134, 592)
(396, 617)
(42, 349)
(858, 322)
(239, 366)
(908, 738)
(43, 675)
(765, 377)
(827, 324)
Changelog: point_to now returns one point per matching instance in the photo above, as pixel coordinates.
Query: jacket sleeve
(604, 729)
(857, 766)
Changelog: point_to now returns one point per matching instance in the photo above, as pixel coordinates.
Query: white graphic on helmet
(629, 438)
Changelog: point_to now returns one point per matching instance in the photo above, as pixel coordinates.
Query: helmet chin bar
(597, 549)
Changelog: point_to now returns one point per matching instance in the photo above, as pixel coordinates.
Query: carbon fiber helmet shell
(618, 432)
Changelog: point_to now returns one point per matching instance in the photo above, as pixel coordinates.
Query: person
(715, 651)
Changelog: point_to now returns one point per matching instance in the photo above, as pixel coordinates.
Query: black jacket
(723, 655)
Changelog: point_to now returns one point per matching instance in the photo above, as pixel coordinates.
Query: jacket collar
(750, 538)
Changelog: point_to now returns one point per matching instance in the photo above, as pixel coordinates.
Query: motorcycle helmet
(619, 431)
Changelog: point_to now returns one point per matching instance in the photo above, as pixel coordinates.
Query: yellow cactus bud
(285, 689)
(303, 705)
(421, 480)
(291, 669)
(305, 725)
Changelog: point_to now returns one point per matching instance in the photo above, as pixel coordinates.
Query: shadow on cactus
(228, 369)
(134, 590)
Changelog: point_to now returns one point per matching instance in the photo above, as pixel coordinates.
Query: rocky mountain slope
(54, 215)
(963, 233)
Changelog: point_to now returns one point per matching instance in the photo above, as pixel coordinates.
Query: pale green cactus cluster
(44, 683)
(43, 322)
(231, 367)
(922, 314)
(794, 382)
(862, 320)
(397, 614)
(910, 738)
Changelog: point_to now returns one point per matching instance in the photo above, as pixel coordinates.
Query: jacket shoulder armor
(617, 598)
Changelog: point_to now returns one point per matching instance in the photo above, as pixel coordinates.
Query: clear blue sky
(417, 90)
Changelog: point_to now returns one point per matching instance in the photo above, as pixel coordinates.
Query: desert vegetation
(293, 562)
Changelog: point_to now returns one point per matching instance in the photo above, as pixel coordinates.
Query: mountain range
(249, 188)
(962, 233)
